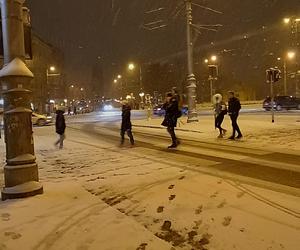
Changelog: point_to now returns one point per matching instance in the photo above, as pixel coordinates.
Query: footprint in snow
(171, 186)
(142, 246)
(160, 209)
(5, 217)
(3, 246)
(199, 210)
(222, 204)
(13, 235)
(172, 197)
(227, 220)
(240, 194)
(181, 178)
(214, 195)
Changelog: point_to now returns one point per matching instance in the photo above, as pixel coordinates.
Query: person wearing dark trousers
(60, 126)
(126, 123)
(234, 107)
(171, 115)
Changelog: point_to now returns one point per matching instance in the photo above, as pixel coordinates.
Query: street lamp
(290, 55)
(286, 20)
(213, 71)
(213, 58)
(115, 80)
(131, 66)
(50, 72)
(119, 76)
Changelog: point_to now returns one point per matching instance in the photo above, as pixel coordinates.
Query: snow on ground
(257, 129)
(100, 196)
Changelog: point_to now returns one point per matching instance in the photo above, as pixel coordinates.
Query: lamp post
(289, 56)
(131, 67)
(21, 171)
(294, 24)
(142, 94)
(213, 72)
(50, 72)
(191, 80)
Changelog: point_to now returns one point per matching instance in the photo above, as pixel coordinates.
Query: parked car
(40, 120)
(282, 102)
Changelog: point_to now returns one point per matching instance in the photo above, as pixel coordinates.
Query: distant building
(48, 86)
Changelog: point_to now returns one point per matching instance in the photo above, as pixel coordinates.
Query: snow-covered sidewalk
(99, 196)
(257, 129)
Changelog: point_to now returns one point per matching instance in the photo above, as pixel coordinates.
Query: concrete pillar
(20, 171)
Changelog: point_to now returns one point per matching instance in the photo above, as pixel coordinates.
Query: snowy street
(207, 194)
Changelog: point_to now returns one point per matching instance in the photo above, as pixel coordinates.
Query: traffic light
(213, 71)
(277, 75)
(273, 75)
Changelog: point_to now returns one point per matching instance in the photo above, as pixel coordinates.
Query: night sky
(111, 30)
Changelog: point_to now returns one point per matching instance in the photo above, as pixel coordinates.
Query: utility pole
(191, 80)
(21, 171)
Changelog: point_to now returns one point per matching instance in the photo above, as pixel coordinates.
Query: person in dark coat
(234, 107)
(60, 126)
(126, 123)
(171, 115)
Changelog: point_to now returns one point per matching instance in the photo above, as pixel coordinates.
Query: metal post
(284, 77)
(211, 87)
(191, 80)
(141, 78)
(20, 171)
(272, 97)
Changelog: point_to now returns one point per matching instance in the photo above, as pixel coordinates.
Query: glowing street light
(214, 58)
(291, 55)
(286, 20)
(131, 66)
(206, 61)
(115, 80)
(52, 68)
(119, 76)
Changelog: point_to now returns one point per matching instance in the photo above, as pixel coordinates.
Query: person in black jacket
(234, 107)
(60, 126)
(170, 121)
(126, 123)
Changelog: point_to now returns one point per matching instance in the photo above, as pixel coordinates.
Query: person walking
(60, 126)
(170, 120)
(220, 112)
(126, 125)
(234, 107)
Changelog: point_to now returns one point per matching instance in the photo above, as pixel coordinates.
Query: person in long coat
(126, 125)
(234, 107)
(170, 120)
(60, 127)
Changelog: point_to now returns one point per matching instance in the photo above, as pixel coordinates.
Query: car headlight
(107, 107)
